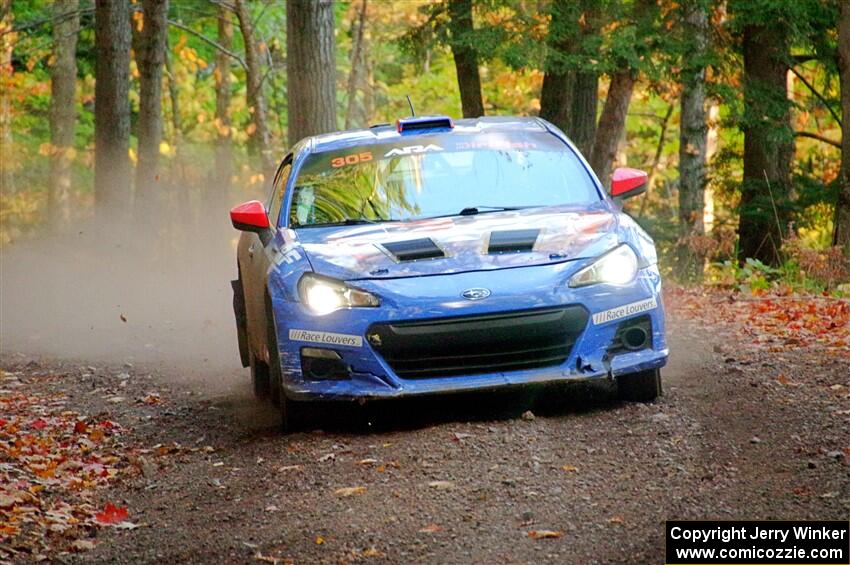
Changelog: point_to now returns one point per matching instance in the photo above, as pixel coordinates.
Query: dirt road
(465, 479)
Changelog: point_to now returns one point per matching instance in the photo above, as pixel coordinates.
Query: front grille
(472, 345)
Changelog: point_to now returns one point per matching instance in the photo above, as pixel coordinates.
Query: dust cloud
(97, 294)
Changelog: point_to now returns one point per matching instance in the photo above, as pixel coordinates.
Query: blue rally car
(439, 256)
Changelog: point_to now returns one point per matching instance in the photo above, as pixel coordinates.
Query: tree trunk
(612, 122)
(149, 59)
(7, 40)
(556, 98)
(112, 111)
(768, 144)
(311, 68)
(842, 207)
(173, 97)
(466, 57)
(358, 64)
(656, 160)
(224, 139)
(369, 91)
(693, 144)
(557, 90)
(582, 126)
(259, 137)
(63, 114)
(585, 97)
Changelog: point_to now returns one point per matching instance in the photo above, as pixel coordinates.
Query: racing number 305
(352, 159)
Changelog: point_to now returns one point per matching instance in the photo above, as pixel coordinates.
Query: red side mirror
(250, 216)
(628, 182)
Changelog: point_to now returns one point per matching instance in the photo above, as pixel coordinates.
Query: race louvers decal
(625, 310)
(326, 338)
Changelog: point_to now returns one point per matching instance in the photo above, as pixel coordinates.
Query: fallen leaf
(320, 540)
(111, 514)
(267, 558)
(441, 485)
(82, 545)
(371, 552)
(291, 468)
(349, 491)
(544, 534)
(7, 501)
(616, 519)
(431, 529)
(152, 399)
(570, 468)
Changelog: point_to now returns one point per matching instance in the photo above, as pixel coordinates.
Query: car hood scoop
(512, 241)
(412, 249)
(457, 244)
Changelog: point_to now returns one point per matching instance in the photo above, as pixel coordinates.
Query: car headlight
(323, 296)
(618, 266)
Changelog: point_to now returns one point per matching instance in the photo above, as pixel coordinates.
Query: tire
(275, 377)
(241, 321)
(644, 386)
(292, 413)
(259, 377)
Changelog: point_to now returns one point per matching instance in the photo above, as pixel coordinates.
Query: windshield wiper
(348, 222)
(473, 210)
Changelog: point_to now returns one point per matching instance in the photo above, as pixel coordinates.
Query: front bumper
(425, 302)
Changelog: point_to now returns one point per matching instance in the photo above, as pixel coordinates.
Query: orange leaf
(544, 534)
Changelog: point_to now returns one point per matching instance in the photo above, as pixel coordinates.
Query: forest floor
(133, 463)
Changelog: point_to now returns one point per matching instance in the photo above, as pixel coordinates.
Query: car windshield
(438, 175)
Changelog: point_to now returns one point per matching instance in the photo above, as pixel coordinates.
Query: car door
(255, 260)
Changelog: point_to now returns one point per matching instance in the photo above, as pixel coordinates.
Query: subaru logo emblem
(475, 293)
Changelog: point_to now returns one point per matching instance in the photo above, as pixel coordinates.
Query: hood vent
(413, 249)
(512, 241)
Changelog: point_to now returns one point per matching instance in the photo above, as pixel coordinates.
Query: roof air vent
(424, 122)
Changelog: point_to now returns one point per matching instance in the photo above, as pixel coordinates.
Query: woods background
(152, 117)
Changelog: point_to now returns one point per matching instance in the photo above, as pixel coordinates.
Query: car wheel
(241, 320)
(259, 377)
(275, 376)
(292, 412)
(644, 386)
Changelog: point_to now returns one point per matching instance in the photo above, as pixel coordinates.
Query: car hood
(457, 244)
